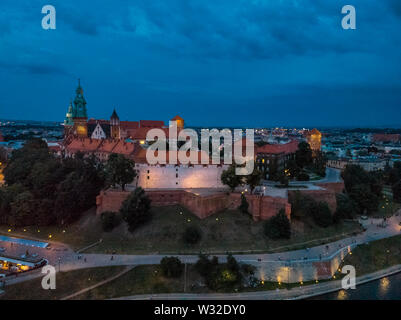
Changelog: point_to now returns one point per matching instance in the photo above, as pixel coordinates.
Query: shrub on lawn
(135, 210)
(321, 214)
(171, 267)
(110, 220)
(278, 227)
(243, 207)
(303, 176)
(192, 235)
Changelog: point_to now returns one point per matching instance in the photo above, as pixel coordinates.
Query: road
(65, 259)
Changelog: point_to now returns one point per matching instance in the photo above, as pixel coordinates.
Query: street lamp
(59, 264)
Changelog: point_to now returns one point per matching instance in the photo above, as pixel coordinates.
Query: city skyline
(226, 64)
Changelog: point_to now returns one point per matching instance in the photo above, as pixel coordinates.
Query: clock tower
(79, 114)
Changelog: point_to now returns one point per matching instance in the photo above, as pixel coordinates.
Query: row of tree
(232, 180)
(43, 189)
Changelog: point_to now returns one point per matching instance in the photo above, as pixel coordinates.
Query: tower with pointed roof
(68, 121)
(179, 121)
(314, 138)
(79, 114)
(115, 125)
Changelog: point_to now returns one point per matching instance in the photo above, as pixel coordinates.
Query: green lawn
(376, 255)
(387, 206)
(149, 280)
(227, 231)
(146, 280)
(66, 283)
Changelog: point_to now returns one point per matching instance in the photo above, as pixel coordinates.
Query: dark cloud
(274, 59)
(35, 68)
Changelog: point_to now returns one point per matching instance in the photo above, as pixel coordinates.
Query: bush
(243, 207)
(135, 209)
(278, 227)
(192, 235)
(397, 191)
(345, 207)
(171, 267)
(303, 176)
(204, 265)
(220, 277)
(321, 214)
(110, 220)
(284, 181)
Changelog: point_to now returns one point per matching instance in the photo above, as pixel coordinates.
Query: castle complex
(170, 183)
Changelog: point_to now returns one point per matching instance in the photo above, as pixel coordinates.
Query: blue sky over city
(216, 63)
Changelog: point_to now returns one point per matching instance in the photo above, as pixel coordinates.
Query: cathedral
(77, 124)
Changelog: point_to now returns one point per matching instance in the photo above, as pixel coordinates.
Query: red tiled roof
(96, 121)
(87, 145)
(140, 156)
(151, 124)
(127, 125)
(177, 117)
(386, 137)
(290, 147)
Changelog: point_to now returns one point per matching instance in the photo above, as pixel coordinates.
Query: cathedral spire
(79, 103)
(79, 113)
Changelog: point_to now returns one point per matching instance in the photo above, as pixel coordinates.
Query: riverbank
(298, 293)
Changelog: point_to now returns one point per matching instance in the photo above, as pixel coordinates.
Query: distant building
(276, 155)
(1, 137)
(386, 138)
(366, 164)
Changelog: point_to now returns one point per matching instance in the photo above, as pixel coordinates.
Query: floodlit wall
(185, 177)
(298, 271)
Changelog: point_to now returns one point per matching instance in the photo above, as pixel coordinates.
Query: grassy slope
(226, 231)
(66, 283)
(376, 255)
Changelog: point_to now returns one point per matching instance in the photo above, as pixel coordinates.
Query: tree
(23, 160)
(243, 207)
(321, 214)
(303, 176)
(253, 179)
(345, 207)
(365, 199)
(3, 155)
(300, 205)
(135, 209)
(204, 266)
(22, 210)
(274, 172)
(284, 180)
(120, 170)
(292, 167)
(230, 178)
(278, 227)
(397, 191)
(110, 220)
(192, 235)
(303, 156)
(319, 164)
(363, 187)
(171, 267)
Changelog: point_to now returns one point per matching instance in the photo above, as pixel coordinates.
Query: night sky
(213, 62)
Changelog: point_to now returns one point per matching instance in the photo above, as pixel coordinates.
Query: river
(388, 288)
